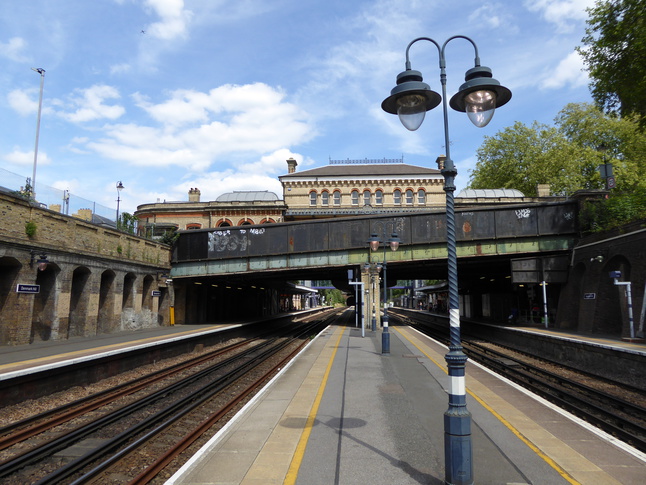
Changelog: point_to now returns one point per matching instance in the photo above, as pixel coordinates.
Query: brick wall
(58, 231)
(81, 293)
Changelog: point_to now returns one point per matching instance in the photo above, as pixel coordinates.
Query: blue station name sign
(27, 288)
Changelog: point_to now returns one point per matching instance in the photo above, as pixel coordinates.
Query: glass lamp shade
(394, 242)
(374, 242)
(411, 110)
(480, 106)
(42, 263)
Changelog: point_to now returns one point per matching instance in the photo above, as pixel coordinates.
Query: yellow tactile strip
(280, 458)
(574, 467)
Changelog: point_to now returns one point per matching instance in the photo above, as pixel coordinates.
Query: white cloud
(19, 157)
(21, 102)
(13, 49)
(562, 13)
(174, 19)
(491, 15)
(197, 129)
(89, 104)
(272, 163)
(214, 184)
(120, 68)
(568, 72)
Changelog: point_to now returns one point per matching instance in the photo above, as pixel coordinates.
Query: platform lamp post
(119, 189)
(393, 243)
(478, 97)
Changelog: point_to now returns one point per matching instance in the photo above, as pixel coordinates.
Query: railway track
(615, 408)
(129, 434)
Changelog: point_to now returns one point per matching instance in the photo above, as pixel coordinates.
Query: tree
(334, 297)
(625, 144)
(127, 222)
(614, 49)
(565, 156)
(521, 157)
(169, 237)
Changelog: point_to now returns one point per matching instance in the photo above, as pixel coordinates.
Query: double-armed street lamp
(479, 96)
(393, 243)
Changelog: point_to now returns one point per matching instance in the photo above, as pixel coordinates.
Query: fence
(57, 200)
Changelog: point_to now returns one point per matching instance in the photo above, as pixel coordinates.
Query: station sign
(589, 296)
(156, 293)
(33, 289)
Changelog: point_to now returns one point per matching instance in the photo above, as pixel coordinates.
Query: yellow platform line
(93, 350)
(506, 423)
(292, 473)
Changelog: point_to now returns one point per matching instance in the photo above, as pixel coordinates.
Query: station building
(342, 188)
(359, 187)
(236, 208)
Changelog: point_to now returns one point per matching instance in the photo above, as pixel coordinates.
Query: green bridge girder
(337, 244)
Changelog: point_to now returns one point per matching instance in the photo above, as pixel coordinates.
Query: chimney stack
(543, 190)
(291, 165)
(194, 195)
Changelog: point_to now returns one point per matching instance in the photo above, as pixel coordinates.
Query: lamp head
(373, 242)
(394, 241)
(41, 262)
(119, 186)
(480, 95)
(410, 99)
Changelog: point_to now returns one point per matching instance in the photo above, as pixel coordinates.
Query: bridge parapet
(340, 242)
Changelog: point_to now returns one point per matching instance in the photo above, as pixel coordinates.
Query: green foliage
(127, 222)
(30, 229)
(169, 237)
(334, 297)
(25, 192)
(564, 156)
(614, 49)
(619, 209)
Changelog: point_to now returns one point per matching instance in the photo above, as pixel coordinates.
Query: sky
(167, 95)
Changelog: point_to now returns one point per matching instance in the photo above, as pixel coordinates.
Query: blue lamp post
(393, 243)
(479, 96)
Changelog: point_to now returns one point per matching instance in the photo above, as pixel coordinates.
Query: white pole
(545, 303)
(40, 71)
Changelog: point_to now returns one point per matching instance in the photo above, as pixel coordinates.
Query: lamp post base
(458, 453)
(385, 341)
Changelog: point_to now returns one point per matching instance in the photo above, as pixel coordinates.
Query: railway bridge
(244, 266)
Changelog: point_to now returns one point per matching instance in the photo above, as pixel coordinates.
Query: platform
(343, 413)
(41, 355)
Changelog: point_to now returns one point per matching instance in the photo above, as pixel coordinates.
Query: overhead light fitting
(42, 261)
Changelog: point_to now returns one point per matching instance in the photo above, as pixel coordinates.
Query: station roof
(247, 196)
(489, 193)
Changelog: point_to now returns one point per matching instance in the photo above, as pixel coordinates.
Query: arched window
(269, 220)
(421, 197)
(355, 197)
(397, 197)
(325, 198)
(193, 225)
(245, 222)
(337, 198)
(313, 199)
(409, 197)
(379, 197)
(366, 197)
(224, 223)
